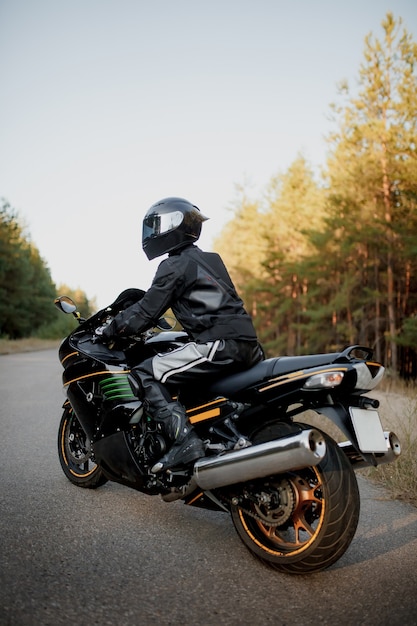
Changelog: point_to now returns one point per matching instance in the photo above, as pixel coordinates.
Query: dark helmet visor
(160, 223)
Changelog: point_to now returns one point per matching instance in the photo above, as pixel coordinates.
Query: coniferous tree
(241, 248)
(295, 205)
(261, 246)
(372, 173)
(345, 273)
(26, 288)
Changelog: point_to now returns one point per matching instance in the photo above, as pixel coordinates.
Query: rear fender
(341, 418)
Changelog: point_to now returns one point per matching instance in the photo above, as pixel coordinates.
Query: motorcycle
(290, 489)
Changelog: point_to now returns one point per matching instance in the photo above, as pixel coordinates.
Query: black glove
(106, 332)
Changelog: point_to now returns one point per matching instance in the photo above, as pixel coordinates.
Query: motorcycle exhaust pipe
(273, 457)
(379, 458)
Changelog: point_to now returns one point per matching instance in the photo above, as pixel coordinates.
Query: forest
(321, 260)
(324, 261)
(26, 287)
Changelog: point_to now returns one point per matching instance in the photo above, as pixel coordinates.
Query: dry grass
(398, 411)
(8, 346)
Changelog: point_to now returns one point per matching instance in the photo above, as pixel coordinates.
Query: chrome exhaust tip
(380, 458)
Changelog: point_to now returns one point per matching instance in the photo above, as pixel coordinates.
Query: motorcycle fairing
(115, 456)
(209, 410)
(113, 449)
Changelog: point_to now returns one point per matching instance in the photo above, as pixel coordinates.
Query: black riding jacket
(197, 287)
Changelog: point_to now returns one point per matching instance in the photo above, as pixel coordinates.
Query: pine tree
(241, 248)
(295, 205)
(26, 288)
(373, 172)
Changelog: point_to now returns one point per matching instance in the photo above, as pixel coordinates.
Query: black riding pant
(190, 362)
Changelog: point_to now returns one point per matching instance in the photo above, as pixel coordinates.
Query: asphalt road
(115, 556)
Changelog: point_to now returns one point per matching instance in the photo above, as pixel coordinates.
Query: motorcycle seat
(269, 368)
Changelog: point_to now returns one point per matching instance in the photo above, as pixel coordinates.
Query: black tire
(74, 453)
(319, 512)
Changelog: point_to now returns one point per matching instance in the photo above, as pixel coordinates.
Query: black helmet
(170, 224)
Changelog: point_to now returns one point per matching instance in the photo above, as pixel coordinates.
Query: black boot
(187, 446)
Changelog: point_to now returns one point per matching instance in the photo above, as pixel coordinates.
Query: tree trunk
(392, 329)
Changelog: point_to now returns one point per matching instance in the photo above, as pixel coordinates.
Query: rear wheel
(302, 521)
(74, 451)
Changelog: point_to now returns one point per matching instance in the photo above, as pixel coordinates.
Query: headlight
(325, 380)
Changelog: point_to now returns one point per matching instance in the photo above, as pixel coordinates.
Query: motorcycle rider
(200, 292)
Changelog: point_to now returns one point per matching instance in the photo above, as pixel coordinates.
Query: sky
(107, 106)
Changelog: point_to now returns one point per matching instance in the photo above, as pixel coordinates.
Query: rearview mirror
(65, 304)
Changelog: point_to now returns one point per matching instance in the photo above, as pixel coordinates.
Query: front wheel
(302, 521)
(74, 451)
